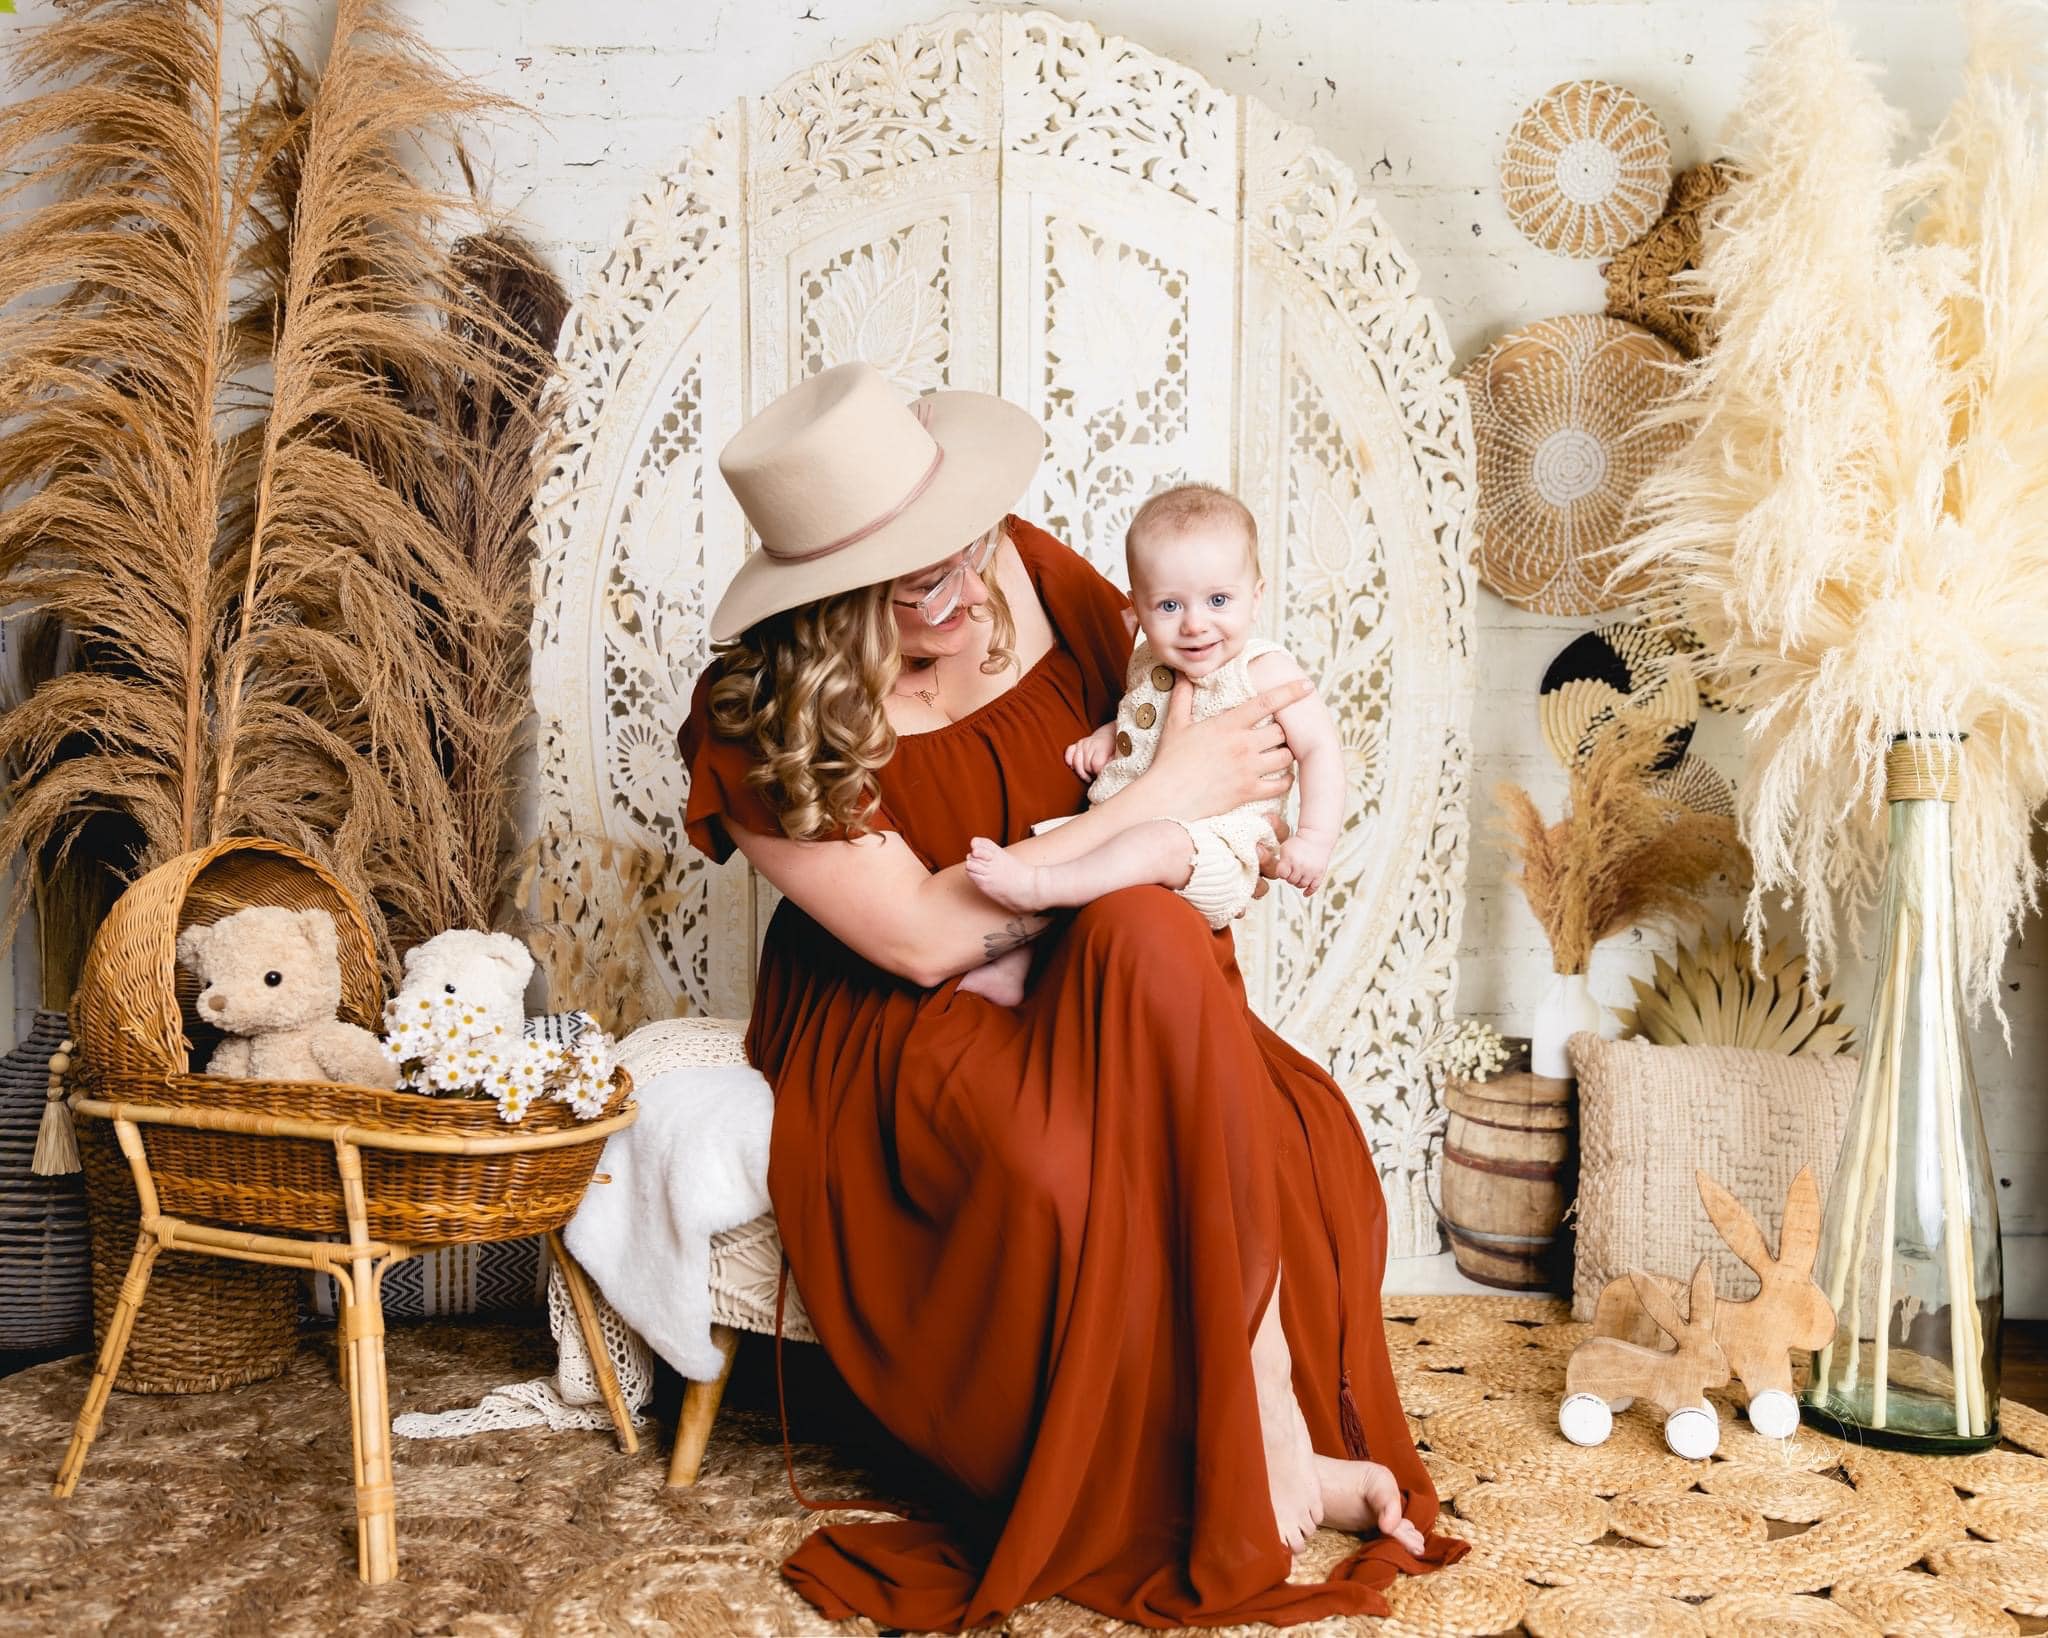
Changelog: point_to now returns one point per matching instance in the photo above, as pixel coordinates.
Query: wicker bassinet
(264, 1177)
(138, 1032)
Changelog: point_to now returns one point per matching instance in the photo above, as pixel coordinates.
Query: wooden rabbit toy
(1607, 1374)
(1789, 1310)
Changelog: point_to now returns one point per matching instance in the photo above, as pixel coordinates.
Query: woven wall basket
(1639, 287)
(1585, 169)
(1624, 668)
(1556, 412)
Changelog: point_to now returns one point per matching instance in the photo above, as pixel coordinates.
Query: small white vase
(1566, 1008)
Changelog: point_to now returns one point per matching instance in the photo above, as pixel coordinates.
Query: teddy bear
(271, 982)
(458, 1023)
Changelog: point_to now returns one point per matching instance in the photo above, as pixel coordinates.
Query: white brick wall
(1416, 95)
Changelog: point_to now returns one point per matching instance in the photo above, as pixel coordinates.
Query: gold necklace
(930, 695)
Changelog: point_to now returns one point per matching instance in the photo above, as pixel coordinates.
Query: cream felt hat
(847, 485)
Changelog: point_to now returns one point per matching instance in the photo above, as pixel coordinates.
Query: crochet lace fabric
(569, 1399)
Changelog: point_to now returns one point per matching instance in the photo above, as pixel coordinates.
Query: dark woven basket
(45, 1264)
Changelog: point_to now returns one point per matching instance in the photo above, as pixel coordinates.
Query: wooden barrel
(1509, 1160)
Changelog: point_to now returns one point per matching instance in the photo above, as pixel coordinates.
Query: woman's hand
(1237, 756)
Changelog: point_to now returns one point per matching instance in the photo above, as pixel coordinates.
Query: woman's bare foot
(1014, 886)
(1362, 1496)
(1290, 1457)
(1001, 980)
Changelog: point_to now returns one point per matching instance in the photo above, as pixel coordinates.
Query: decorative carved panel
(1176, 284)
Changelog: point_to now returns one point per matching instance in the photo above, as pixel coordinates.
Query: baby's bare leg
(1001, 980)
(1158, 853)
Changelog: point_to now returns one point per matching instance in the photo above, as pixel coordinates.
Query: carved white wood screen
(1177, 285)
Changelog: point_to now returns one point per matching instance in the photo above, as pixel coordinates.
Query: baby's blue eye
(1167, 605)
(1218, 599)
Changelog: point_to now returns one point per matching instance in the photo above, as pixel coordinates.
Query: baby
(1193, 553)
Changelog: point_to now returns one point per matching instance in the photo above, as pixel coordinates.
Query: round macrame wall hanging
(1619, 668)
(1585, 169)
(1556, 413)
(1639, 286)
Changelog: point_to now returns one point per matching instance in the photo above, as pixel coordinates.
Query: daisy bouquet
(448, 1047)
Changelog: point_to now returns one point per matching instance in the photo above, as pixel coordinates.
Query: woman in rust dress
(1045, 1244)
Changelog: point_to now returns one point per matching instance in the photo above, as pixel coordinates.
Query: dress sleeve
(1086, 610)
(723, 798)
(721, 795)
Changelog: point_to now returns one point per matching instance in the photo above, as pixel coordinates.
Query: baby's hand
(1088, 757)
(1304, 860)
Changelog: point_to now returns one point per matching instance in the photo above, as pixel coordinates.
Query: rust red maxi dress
(1036, 1242)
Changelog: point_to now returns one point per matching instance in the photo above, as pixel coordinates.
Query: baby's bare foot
(1362, 1496)
(1002, 980)
(1013, 885)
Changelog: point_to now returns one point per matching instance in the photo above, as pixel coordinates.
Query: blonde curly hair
(805, 689)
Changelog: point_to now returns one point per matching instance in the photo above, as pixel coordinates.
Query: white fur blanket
(693, 1165)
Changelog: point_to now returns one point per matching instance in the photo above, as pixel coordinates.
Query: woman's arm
(925, 926)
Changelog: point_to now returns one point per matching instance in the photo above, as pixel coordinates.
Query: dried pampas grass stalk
(121, 225)
(331, 698)
(1858, 529)
(598, 902)
(1622, 856)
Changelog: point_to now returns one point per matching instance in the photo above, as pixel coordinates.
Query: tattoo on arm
(1018, 930)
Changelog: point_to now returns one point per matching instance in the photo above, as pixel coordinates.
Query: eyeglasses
(939, 605)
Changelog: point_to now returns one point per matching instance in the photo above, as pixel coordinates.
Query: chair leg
(370, 1418)
(593, 1341)
(700, 1410)
(112, 1350)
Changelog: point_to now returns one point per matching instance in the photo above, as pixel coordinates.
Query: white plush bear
(272, 984)
(472, 984)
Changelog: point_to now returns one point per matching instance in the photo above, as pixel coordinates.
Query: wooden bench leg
(700, 1410)
(593, 1341)
(113, 1348)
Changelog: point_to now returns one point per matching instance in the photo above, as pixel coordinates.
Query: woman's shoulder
(722, 793)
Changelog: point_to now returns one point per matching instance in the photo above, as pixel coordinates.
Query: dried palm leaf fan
(1857, 530)
(1698, 785)
(1619, 669)
(1715, 995)
(1585, 169)
(1558, 420)
(1640, 284)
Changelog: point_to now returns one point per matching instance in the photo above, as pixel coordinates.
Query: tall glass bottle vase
(1909, 1252)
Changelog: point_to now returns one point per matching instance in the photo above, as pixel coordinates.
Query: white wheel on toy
(1585, 1419)
(1693, 1431)
(1774, 1413)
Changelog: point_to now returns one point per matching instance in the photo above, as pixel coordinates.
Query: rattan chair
(272, 1172)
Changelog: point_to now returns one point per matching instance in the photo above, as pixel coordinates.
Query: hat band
(921, 408)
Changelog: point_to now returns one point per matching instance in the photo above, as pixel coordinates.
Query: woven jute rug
(231, 1512)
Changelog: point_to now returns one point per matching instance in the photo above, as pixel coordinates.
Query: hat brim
(993, 449)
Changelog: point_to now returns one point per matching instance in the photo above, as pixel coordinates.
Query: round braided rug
(1788, 1494)
(2024, 1426)
(1585, 169)
(1990, 1470)
(2020, 1517)
(1609, 1612)
(2016, 1576)
(1541, 1510)
(1461, 1602)
(1912, 1601)
(1557, 421)
(1689, 1522)
(230, 1513)
(1772, 1615)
